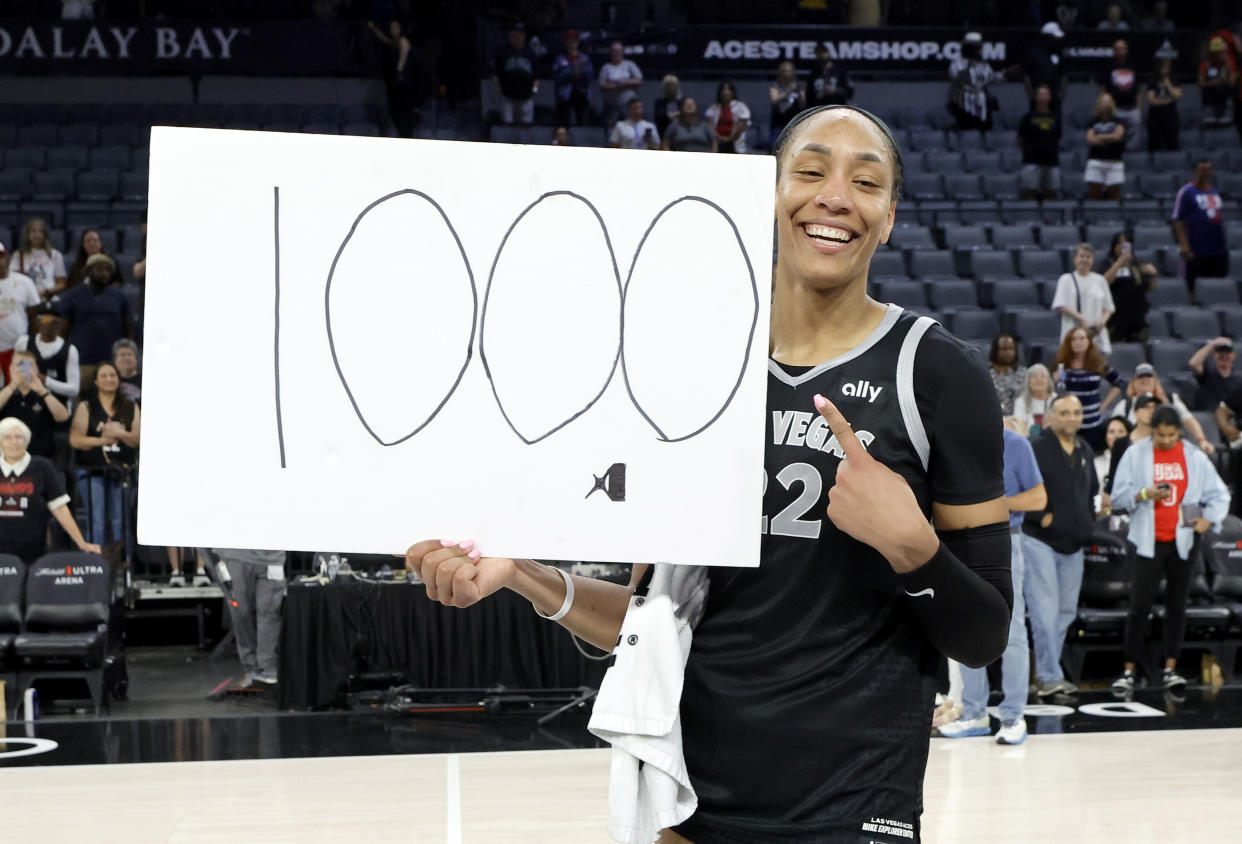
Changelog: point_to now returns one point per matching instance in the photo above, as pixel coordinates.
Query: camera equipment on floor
(494, 700)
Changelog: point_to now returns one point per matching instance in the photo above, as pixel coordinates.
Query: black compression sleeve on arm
(963, 596)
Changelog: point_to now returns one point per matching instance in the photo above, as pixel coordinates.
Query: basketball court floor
(1151, 770)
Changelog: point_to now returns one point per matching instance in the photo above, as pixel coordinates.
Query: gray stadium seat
(948, 295)
(1019, 236)
(958, 236)
(910, 237)
(1158, 325)
(908, 294)
(1100, 235)
(38, 134)
(97, 185)
(927, 264)
(1194, 323)
(928, 139)
(67, 158)
(85, 134)
(1154, 236)
(888, 263)
(1169, 356)
(1171, 161)
(1059, 236)
(14, 185)
(943, 162)
(110, 158)
(27, 158)
(1032, 325)
(1158, 184)
(966, 141)
(1002, 139)
(982, 161)
(924, 186)
(974, 324)
(133, 186)
(118, 134)
(1040, 263)
(1125, 356)
(1216, 291)
(1170, 291)
(1004, 186)
(53, 185)
(990, 264)
(963, 186)
(1012, 293)
(1231, 320)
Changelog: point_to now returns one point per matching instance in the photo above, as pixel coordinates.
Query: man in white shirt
(619, 79)
(17, 295)
(1083, 298)
(634, 132)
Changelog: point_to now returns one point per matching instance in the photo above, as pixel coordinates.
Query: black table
(331, 632)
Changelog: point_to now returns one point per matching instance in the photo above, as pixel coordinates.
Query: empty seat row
(65, 185)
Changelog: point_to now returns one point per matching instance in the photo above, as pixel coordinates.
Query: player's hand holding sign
(457, 574)
(874, 504)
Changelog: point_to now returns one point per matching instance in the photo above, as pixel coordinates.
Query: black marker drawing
(657, 333)
(611, 483)
(622, 323)
(551, 310)
(407, 212)
(280, 427)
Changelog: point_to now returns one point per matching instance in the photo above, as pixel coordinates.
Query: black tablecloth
(331, 632)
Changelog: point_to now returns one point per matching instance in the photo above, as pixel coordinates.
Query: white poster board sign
(355, 343)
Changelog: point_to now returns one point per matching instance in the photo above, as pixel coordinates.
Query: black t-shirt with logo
(810, 684)
(33, 410)
(1041, 138)
(1111, 151)
(23, 507)
(515, 71)
(1122, 83)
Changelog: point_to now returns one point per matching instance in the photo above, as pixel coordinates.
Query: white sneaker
(963, 729)
(1012, 732)
(177, 579)
(201, 579)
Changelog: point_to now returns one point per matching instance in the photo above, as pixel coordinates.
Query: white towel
(637, 709)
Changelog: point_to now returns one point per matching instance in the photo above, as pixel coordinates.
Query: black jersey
(807, 706)
(24, 501)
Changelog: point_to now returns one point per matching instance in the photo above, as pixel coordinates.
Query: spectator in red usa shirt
(1174, 496)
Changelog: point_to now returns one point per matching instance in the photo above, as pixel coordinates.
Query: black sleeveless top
(809, 689)
(52, 367)
(111, 455)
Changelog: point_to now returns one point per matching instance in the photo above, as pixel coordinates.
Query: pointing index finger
(846, 438)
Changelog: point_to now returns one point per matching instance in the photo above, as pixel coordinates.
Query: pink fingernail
(466, 544)
(448, 542)
(819, 402)
(475, 554)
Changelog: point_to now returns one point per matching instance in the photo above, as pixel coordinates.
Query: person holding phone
(1129, 281)
(26, 397)
(1175, 496)
(634, 132)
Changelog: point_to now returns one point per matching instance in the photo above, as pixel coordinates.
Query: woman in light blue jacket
(1160, 479)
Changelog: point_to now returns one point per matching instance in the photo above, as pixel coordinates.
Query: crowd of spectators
(70, 384)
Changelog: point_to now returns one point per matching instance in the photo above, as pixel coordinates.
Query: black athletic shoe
(1172, 680)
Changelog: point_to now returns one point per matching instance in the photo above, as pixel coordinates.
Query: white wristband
(569, 599)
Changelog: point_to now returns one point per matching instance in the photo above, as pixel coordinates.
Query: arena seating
(65, 625)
